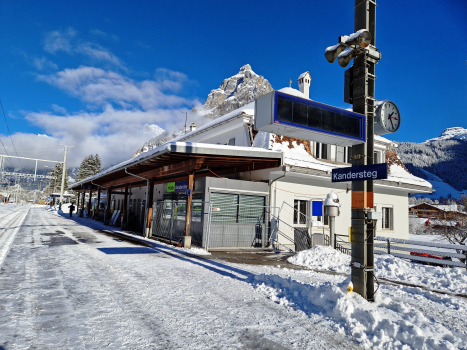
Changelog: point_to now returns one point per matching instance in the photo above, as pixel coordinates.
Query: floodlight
(345, 57)
(362, 38)
(332, 52)
(348, 47)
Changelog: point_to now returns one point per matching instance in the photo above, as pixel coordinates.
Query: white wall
(305, 187)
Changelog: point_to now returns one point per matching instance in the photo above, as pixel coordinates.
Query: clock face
(390, 116)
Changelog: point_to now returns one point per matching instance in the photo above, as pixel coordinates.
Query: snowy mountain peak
(235, 92)
(457, 132)
(152, 129)
(246, 67)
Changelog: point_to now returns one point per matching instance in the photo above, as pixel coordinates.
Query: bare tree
(455, 230)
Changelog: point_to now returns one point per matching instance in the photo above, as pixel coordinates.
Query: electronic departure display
(319, 117)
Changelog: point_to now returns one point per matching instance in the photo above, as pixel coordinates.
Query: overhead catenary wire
(8, 128)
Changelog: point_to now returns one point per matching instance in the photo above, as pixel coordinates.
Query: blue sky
(93, 73)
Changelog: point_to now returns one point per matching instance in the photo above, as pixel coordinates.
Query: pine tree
(55, 183)
(90, 166)
(98, 164)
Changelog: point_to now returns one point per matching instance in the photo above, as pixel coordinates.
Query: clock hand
(389, 117)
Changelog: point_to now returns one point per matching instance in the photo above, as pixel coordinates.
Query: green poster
(171, 187)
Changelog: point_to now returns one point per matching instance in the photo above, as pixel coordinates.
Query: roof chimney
(193, 127)
(304, 81)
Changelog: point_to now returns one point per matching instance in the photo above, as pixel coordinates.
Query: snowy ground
(65, 285)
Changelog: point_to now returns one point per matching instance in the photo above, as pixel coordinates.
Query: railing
(417, 251)
(341, 243)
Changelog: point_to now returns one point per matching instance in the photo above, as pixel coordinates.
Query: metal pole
(35, 171)
(171, 219)
(63, 173)
(362, 154)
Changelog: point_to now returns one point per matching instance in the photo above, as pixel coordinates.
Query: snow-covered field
(65, 285)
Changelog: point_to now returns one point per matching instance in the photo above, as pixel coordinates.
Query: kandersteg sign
(360, 173)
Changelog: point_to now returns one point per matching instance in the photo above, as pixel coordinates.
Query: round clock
(387, 118)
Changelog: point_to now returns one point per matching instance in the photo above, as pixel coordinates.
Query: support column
(128, 207)
(107, 215)
(96, 214)
(83, 194)
(149, 201)
(125, 209)
(89, 204)
(77, 203)
(186, 242)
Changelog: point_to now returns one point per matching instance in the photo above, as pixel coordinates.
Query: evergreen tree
(55, 183)
(98, 164)
(90, 166)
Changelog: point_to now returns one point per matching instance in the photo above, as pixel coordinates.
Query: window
(387, 218)
(340, 154)
(324, 151)
(237, 208)
(300, 212)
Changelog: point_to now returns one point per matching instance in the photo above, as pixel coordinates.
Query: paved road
(66, 286)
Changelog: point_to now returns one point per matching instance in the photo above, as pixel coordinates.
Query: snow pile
(322, 258)
(388, 323)
(387, 266)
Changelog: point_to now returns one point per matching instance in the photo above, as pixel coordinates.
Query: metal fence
(430, 253)
(238, 225)
(169, 217)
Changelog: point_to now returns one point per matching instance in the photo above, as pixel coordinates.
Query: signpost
(360, 91)
(360, 173)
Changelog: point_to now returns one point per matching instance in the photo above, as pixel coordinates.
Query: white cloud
(42, 63)
(98, 53)
(59, 40)
(58, 109)
(113, 134)
(98, 86)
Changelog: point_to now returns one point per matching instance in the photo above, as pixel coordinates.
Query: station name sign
(360, 173)
(293, 116)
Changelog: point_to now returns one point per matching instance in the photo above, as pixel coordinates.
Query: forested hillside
(445, 158)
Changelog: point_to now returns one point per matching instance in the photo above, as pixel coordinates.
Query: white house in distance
(304, 177)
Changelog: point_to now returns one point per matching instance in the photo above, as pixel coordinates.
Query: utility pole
(363, 80)
(63, 173)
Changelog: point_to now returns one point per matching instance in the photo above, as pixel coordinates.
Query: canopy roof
(174, 160)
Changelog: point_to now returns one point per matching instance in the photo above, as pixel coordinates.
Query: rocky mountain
(234, 92)
(442, 161)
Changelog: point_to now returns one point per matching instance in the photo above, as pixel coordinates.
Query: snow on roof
(298, 156)
(181, 147)
(293, 92)
(399, 174)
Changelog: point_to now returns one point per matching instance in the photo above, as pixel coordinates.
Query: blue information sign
(360, 173)
(317, 208)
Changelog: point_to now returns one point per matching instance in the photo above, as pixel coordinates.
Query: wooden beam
(124, 209)
(107, 208)
(187, 232)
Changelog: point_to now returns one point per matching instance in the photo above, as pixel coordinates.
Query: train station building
(225, 185)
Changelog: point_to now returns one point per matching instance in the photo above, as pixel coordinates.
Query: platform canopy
(173, 161)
